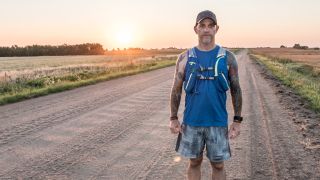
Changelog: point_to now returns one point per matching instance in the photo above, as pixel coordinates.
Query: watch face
(238, 118)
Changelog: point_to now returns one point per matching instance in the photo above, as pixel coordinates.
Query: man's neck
(205, 47)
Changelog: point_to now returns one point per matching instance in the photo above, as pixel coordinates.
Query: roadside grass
(24, 87)
(235, 50)
(303, 78)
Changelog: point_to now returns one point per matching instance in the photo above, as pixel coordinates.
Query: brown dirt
(119, 130)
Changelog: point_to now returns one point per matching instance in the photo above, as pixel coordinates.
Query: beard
(206, 39)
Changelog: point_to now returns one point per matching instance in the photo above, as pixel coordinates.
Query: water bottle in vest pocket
(223, 83)
(190, 80)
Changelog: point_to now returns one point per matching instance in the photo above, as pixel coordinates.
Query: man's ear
(217, 28)
(195, 29)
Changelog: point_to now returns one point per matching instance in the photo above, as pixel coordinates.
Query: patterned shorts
(193, 140)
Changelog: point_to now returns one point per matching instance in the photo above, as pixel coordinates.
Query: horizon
(159, 48)
(142, 24)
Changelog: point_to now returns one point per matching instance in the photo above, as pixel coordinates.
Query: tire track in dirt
(70, 97)
(16, 131)
(126, 88)
(265, 126)
(78, 149)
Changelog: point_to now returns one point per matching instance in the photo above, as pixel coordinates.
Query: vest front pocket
(191, 81)
(223, 84)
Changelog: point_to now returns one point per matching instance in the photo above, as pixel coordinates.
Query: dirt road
(119, 130)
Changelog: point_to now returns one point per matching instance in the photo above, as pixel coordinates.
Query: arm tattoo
(176, 90)
(234, 84)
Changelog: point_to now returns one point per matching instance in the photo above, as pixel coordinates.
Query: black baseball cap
(206, 14)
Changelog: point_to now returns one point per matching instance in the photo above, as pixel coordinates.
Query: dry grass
(298, 69)
(23, 78)
(12, 68)
(310, 57)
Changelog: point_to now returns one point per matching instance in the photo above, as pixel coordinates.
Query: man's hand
(234, 130)
(175, 126)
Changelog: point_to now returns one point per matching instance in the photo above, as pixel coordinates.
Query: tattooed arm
(176, 90)
(235, 89)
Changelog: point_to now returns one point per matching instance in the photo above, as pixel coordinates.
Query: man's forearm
(175, 96)
(176, 90)
(236, 95)
(175, 102)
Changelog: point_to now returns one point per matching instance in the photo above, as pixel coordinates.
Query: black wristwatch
(172, 118)
(237, 119)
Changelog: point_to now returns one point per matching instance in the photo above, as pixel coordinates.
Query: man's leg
(218, 150)
(192, 146)
(218, 171)
(194, 169)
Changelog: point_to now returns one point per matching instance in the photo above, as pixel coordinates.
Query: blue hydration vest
(206, 85)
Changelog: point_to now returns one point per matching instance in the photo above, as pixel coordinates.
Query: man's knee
(217, 165)
(195, 162)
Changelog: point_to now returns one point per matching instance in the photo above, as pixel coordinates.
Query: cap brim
(207, 18)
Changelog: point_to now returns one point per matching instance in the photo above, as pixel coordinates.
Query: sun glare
(124, 37)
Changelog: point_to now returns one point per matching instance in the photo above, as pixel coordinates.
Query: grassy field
(309, 56)
(235, 50)
(27, 77)
(298, 69)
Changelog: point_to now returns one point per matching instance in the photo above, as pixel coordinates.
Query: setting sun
(124, 37)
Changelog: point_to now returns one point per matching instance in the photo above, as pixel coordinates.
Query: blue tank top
(206, 85)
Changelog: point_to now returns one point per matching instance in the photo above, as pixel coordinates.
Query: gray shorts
(193, 140)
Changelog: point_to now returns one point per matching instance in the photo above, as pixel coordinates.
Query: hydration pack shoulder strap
(221, 54)
(192, 53)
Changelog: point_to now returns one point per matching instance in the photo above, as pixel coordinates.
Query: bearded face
(206, 30)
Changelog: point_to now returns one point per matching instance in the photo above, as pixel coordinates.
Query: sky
(158, 23)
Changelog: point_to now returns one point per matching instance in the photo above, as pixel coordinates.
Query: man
(206, 72)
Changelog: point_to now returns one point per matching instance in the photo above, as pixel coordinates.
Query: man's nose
(206, 29)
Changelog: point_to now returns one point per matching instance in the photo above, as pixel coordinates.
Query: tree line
(298, 46)
(48, 50)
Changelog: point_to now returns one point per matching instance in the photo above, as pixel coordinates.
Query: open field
(22, 65)
(33, 62)
(308, 56)
(26, 77)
